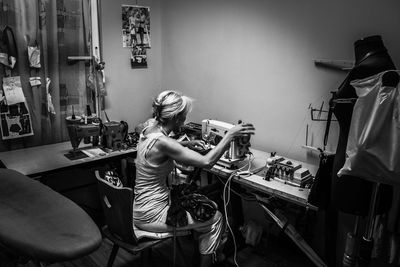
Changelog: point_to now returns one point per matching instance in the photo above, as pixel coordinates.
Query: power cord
(226, 199)
(227, 195)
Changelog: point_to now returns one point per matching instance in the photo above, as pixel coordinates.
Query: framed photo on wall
(138, 57)
(135, 26)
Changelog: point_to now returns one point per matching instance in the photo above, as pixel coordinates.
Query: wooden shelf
(344, 65)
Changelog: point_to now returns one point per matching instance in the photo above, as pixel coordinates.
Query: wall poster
(138, 57)
(135, 26)
(14, 113)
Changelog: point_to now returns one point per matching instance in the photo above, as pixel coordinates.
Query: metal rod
(79, 58)
(356, 225)
(291, 232)
(367, 241)
(372, 209)
(306, 134)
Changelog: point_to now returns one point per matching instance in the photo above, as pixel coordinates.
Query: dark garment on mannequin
(320, 191)
(352, 194)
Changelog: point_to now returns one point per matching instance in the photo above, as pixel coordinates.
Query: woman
(156, 153)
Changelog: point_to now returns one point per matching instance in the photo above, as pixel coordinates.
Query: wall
(253, 60)
(249, 60)
(129, 91)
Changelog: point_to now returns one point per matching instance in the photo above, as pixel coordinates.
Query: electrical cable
(226, 202)
(226, 199)
(242, 196)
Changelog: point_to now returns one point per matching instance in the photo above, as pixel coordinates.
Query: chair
(117, 204)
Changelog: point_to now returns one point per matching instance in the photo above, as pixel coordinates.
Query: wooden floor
(276, 252)
(162, 256)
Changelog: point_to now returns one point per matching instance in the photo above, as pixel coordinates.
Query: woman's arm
(179, 153)
(193, 144)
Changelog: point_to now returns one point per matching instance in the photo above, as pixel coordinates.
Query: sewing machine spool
(73, 120)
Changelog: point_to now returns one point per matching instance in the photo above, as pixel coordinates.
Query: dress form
(352, 194)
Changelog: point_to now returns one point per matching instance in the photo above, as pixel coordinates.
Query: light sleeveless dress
(151, 191)
(152, 199)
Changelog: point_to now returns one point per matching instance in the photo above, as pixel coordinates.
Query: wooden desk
(40, 160)
(255, 182)
(275, 188)
(72, 178)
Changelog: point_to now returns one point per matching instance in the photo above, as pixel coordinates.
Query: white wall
(129, 91)
(252, 60)
(249, 60)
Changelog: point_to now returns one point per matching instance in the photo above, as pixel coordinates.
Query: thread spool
(73, 120)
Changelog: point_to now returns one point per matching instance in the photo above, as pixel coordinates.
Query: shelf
(344, 65)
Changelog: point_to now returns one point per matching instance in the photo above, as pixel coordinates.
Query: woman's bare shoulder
(169, 143)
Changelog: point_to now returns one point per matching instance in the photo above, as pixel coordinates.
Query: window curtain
(61, 29)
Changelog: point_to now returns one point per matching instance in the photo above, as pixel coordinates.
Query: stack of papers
(94, 152)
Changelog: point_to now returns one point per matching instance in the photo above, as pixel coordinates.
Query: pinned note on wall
(13, 90)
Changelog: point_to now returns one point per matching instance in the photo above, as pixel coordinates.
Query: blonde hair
(169, 104)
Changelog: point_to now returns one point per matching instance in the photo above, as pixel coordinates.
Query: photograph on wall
(15, 126)
(14, 114)
(135, 26)
(138, 57)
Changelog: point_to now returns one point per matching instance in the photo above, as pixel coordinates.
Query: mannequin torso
(352, 194)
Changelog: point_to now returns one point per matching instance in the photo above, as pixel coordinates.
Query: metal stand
(367, 241)
(352, 246)
(291, 232)
(359, 251)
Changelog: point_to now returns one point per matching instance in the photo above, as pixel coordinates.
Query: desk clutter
(276, 167)
(286, 171)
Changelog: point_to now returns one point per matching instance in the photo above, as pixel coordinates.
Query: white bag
(373, 147)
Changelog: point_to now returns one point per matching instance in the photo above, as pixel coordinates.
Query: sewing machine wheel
(243, 145)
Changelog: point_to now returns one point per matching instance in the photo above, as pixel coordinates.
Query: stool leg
(179, 248)
(174, 247)
(112, 255)
(36, 262)
(145, 257)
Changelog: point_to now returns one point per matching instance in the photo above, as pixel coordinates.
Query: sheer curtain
(60, 29)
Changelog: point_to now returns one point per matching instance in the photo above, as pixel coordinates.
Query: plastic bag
(373, 147)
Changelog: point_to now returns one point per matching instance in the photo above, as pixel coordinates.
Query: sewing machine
(213, 131)
(114, 134)
(77, 130)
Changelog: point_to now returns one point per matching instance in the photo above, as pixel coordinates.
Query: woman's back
(151, 191)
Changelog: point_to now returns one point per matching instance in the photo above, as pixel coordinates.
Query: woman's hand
(240, 130)
(196, 144)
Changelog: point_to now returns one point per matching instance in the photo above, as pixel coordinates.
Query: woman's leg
(209, 233)
(206, 260)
